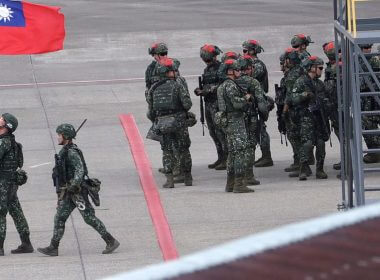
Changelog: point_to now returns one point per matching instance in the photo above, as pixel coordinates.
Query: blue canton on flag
(11, 14)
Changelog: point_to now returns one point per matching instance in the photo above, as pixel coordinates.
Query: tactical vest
(166, 99)
(263, 77)
(13, 158)
(211, 77)
(229, 107)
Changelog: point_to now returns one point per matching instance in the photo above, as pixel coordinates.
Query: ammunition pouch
(191, 119)
(91, 188)
(21, 177)
(167, 124)
(220, 120)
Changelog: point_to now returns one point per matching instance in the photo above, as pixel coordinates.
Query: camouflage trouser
(293, 134)
(9, 203)
(180, 142)
(307, 136)
(64, 209)
(334, 118)
(217, 134)
(264, 138)
(320, 151)
(237, 144)
(251, 125)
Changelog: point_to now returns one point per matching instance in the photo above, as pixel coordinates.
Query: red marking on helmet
(209, 48)
(247, 56)
(155, 45)
(229, 61)
(289, 50)
(302, 36)
(313, 57)
(168, 62)
(254, 42)
(330, 46)
(231, 54)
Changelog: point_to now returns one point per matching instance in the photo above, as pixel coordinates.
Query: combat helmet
(229, 55)
(245, 62)
(252, 45)
(11, 121)
(300, 39)
(165, 65)
(365, 46)
(158, 48)
(208, 52)
(329, 50)
(67, 130)
(292, 55)
(310, 61)
(230, 64)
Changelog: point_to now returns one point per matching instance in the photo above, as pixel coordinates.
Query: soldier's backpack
(21, 175)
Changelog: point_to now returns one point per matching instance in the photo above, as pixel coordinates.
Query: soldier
(69, 174)
(331, 89)
(256, 110)
(302, 96)
(300, 42)
(157, 51)
(233, 103)
(369, 103)
(169, 103)
(211, 79)
(11, 158)
(292, 62)
(260, 73)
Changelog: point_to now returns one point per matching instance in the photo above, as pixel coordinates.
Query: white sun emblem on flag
(5, 13)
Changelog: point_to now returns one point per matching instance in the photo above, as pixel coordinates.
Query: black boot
(240, 186)
(111, 242)
(169, 181)
(213, 165)
(311, 160)
(51, 250)
(303, 171)
(25, 247)
(250, 179)
(265, 160)
(336, 166)
(320, 173)
(230, 183)
(188, 179)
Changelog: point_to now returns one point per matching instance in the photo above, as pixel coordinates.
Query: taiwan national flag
(27, 28)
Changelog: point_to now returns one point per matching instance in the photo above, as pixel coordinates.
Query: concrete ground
(106, 49)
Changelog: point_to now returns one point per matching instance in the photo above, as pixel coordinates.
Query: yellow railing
(351, 15)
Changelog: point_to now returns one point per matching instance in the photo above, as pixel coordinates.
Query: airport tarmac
(99, 76)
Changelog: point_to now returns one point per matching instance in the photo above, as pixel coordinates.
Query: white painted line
(38, 165)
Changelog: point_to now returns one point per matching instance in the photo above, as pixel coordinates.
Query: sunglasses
(245, 51)
(320, 68)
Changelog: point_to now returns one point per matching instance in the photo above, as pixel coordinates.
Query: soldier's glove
(73, 188)
(198, 92)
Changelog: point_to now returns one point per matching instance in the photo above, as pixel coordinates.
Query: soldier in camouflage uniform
(292, 62)
(260, 73)
(232, 103)
(257, 110)
(331, 89)
(300, 42)
(169, 104)
(157, 51)
(70, 172)
(211, 79)
(370, 103)
(303, 96)
(11, 159)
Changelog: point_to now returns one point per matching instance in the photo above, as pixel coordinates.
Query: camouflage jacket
(10, 159)
(303, 55)
(302, 93)
(211, 80)
(290, 78)
(260, 73)
(331, 87)
(150, 74)
(253, 87)
(75, 166)
(231, 98)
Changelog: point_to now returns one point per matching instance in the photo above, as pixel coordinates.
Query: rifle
(202, 109)
(280, 96)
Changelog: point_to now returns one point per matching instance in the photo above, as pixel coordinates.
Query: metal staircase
(355, 70)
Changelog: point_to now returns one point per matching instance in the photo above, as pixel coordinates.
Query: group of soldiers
(69, 175)
(235, 105)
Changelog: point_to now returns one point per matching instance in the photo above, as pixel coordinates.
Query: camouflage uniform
(252, 86)
(9, 202)
(171, 100)
(72, 170)
(211, 80)
(332, 95)
(233, 104)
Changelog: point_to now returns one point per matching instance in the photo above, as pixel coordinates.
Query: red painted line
(148, 184)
